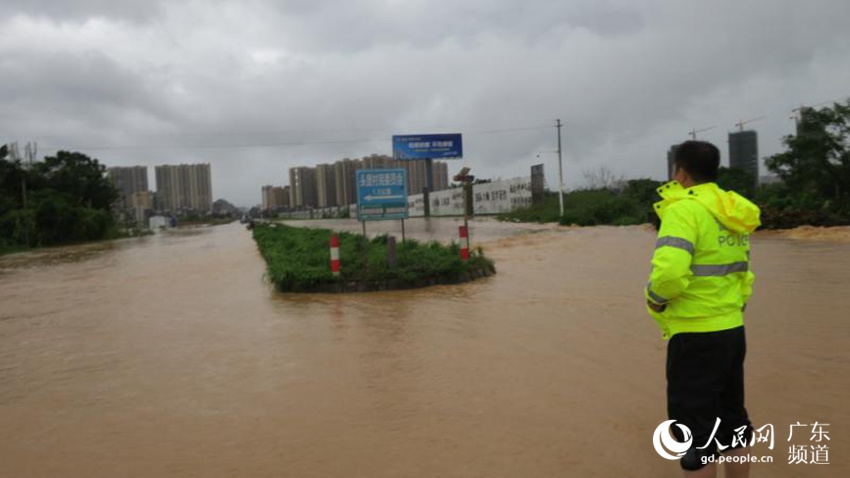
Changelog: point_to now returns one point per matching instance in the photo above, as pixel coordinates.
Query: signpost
(537, 184)
(466, 179)
(381, 195)
(427, 147)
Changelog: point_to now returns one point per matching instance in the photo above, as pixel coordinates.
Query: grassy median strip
(298, 260)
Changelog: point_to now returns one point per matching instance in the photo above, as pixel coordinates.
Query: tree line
(813, 186)
(63, 199)
(814, 173)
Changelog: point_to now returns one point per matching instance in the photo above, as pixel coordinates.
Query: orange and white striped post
(464, 243)
(335, 255)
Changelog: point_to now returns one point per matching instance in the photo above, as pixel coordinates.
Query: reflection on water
(169, 356)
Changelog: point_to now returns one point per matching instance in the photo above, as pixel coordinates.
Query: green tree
(816, 165)
(737, 180)
(79, 176)
(11, 178)
(68, 199)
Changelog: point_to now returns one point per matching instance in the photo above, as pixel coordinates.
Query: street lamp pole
(560, 170)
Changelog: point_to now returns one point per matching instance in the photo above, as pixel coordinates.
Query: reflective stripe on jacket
(700, 267)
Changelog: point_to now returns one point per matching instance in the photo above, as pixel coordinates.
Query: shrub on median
(298, 259)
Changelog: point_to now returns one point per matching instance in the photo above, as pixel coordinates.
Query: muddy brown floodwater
(169, 356)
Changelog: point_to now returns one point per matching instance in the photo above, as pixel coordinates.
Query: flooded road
(169, 356)
(444, 229)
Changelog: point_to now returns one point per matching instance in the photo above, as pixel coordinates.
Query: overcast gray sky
(254, 87)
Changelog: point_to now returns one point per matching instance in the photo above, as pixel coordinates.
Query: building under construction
(744, 152)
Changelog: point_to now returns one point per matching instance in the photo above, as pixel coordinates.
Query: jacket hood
(734, 211)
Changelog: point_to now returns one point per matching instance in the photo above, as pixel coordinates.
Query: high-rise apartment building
(129, 180)
(302, 187)
(184, 188)
(266, 197)
(275, 197)
(417, 176)
(379, 161)
(285, 198)
(744, 152)
(345, 172)
(441, 175)
(325, 186)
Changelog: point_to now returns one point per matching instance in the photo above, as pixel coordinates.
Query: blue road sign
(381, 194)
(428, 146)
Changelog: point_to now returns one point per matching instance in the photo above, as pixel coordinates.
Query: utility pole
(26, 164)
(30, 151)
(15, 155)
(560, 170)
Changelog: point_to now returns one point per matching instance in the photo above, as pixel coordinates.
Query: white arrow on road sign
(369, 197)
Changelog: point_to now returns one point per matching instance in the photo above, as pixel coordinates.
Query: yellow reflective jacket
(700, 267)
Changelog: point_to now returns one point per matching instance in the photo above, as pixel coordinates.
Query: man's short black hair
(700, 159)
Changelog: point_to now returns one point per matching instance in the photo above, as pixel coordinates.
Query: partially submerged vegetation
(781, 207)
(590, 207)
(814, 186)
(298, 260)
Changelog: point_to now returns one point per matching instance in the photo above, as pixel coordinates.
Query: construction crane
(822, 103)
(740, 124)
(797, 113)
(694, 131)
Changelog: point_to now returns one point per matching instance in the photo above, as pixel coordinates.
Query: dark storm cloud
(60, 10)
(357, 25)
(195, 79)
(87, 91)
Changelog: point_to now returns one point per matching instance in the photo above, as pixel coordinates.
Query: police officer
(697, 293)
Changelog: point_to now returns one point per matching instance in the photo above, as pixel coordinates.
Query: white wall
(488, 198)
(156, 222)
(502, 196)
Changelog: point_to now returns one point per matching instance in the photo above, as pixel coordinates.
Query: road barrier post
(464, 243)
(335, 255)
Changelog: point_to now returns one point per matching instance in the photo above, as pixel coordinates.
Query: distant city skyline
(333, 184)
(179, 189)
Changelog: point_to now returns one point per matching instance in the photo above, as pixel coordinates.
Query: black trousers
(705, 381)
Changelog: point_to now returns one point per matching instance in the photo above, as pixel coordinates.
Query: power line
(217, 146)
(283, 144)
(219, 133)
(837, 100)
(275, 144)
(510, 130)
